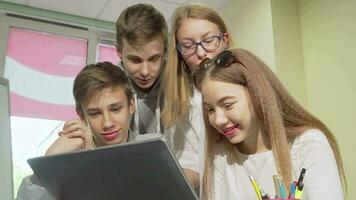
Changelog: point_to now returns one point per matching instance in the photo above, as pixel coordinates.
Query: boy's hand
(77, 129)
(65, 145)
(74, 136)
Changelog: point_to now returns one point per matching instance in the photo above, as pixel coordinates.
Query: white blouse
(310, 150)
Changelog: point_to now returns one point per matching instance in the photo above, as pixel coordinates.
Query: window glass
(41, 68)
(108, 53)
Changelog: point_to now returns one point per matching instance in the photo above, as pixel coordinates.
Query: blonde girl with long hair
(198, 32)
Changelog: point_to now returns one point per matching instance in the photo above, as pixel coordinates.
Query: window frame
(93, 36)
(6, 22)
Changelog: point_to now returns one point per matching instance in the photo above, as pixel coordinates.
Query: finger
(70, 123)
(77, 133)
(89, 143)
(86, 136)
(74, 127)
(64, 144)
(60, 133)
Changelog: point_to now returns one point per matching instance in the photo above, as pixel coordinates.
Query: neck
(145, 90)
(256, 142)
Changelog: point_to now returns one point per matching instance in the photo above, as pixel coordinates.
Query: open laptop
(132, 171)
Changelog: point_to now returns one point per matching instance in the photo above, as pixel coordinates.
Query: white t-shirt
(310, 150)
(187, 137)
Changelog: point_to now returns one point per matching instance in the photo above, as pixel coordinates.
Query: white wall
(329, 46)
(250, 22)
(311, 45)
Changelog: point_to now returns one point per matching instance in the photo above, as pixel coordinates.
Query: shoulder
(141, 137)
(311, 136)
(31, 191)
(309, 140)
(311, 148)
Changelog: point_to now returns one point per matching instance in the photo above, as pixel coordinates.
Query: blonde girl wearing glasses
(197, 32)
(254, 126)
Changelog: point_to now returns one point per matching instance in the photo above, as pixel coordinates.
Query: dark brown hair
(94, 78)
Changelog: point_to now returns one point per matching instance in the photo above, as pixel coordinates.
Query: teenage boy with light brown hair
(141, 44)
(105, 104)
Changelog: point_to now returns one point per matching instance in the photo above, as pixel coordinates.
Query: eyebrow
(119, 103)
(204, 35)
(155, 55)
(224, 98)
(130, 56)
(219, 101)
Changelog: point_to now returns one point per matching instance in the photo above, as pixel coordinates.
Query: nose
(145, 71)
(108, 122)
(220, 119)
(201, 52)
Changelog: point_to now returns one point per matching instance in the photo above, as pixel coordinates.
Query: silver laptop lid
(141, 170)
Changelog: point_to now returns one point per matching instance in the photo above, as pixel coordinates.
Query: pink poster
(41, 68)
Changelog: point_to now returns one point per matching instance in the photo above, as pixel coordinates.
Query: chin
(194, 67)
(116, 141)
(147, 86)
(235, 140)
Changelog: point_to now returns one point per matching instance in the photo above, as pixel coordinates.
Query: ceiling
(109, 10)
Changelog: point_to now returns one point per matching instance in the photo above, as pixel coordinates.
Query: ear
(226, 38)
(119, 53)
(132, 106)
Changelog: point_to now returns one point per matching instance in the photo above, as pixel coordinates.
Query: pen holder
(285, 199)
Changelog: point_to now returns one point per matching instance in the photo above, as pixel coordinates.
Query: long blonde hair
(283, 118)
(177, 83)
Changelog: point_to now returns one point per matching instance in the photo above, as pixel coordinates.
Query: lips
(109, 136)
(144, 81)
(230, 131)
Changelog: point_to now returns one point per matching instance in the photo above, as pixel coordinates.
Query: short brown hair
(139, 24)
(94, 78)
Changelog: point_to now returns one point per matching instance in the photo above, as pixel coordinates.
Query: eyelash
(154, 59)
(95, 114)
(136, 61)
(116, 109)
(209, 110)
(228, 106)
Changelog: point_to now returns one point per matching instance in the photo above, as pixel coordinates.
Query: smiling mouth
(110, 136)
(230, 131)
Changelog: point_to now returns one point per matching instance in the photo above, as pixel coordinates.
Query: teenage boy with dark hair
(105, 104)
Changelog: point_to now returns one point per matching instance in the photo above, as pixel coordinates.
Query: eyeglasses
(208, 44)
